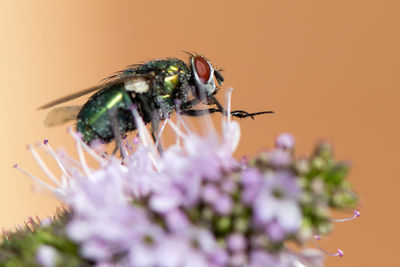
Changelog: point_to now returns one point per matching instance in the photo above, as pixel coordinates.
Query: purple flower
(276, 206)
(141, 176)
(236, 242)
(280, 157)
(311, 257)
(46, 256)
(193, 205)
(252, 180)
(176, 220)
(203, 154)
(275, 231)
(167, 199)
(210, 193)
(261, 258)
(285, 141)
(238, 259)
(224, 204)
(228, 185)
(173, 251)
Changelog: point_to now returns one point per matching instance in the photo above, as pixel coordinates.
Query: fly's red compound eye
(203, 69)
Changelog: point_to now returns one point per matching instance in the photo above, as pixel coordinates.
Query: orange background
(329, 69)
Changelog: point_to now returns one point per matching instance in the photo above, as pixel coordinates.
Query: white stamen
(339, 252)
(82, 159)
(43, 166)
(180, 121)
(207, 124)
(228, 103)
(146, 139)
(176, 129)
(178, 124)
(143, 133)
(161, 131)
(69, 161)
(64, 181)
(55, 156)
(356, 214)
(37, 180)
(85, 146)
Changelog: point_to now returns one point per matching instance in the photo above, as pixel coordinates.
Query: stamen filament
(161, 131)
(146, 139)
(208, 126)
(176, 129)
(143, 134)
(356, 214)
(82, 159)
(339, 252)
(182, 121)
(228, 103)
(55, 156)
(43, 166)
(85, 146)
(37, 180)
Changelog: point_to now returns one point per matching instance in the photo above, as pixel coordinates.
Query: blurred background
(329, 69)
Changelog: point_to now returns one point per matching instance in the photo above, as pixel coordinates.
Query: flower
(236, 242)
(46, 256)
(285, 141)
(276, 207)
(195, 204)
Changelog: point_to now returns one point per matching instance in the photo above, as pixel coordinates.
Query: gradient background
(329, 69)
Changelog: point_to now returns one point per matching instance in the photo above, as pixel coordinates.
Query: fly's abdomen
(94, 121)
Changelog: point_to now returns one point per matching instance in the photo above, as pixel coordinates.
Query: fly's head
(203, 74)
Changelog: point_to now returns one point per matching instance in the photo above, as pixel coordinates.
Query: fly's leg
(155, 125)
(115, 149)
(155, 119)
(236, 113)
(244, 114)
(198, 112)
(112, 115)
(188, 105)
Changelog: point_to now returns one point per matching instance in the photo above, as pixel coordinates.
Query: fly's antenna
(191, 54)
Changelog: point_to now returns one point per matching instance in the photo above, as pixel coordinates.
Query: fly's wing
(61, 115)
(71, 96)
(116, 78)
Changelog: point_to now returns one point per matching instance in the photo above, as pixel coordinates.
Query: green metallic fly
(155, 89)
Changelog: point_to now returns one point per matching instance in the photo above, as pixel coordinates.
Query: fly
(155, 88)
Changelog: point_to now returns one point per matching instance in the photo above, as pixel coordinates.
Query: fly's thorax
(173, 79)
(169, 75)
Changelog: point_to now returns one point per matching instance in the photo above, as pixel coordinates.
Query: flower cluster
(195, 204)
